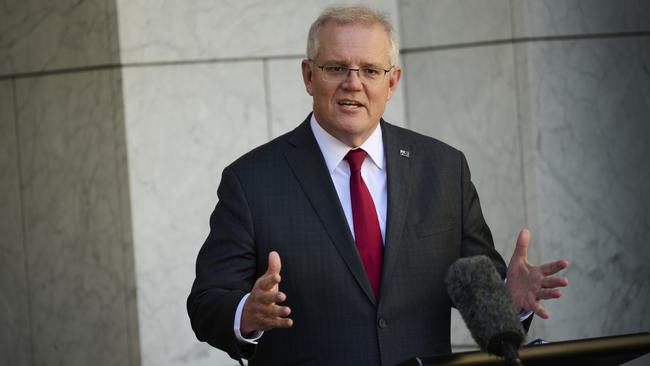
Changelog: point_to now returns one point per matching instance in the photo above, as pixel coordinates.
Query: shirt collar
(334, 151)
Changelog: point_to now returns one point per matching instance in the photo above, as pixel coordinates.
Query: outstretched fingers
(547, 294)
(521, 248)
(269, 317)
(268, 297)
(554, 281)
(275, 265)
(540, 311)
(268, 281)
(261, 310)
(272, 276)
(530, 284)
(552, 268)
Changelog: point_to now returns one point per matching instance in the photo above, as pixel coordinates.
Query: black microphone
(481, 297)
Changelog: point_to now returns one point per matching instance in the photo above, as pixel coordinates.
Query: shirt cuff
(252, 339)
(524, 314)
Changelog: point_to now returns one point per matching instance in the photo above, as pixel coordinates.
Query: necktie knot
(355, 158)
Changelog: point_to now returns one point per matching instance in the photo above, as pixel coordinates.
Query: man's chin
(353, 119)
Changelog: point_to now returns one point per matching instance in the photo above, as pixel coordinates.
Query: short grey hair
(352, 14)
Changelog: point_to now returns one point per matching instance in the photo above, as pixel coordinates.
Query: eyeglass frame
(349, 69)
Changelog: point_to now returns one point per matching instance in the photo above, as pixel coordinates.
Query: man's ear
(307, 75)
(395, 76)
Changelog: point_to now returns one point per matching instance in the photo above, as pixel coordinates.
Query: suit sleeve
(225, 270)
(476, 237)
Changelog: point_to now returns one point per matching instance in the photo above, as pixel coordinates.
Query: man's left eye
(371, 72)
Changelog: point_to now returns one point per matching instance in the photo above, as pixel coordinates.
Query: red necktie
(367, 233)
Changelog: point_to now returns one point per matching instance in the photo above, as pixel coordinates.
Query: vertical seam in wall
(125, 273)
(121, 192)
(126, 235)
(127, 338)
(267, 99)
(407, 115)
(23, 221)
(518, 113)
(122, 234)
(403, 62)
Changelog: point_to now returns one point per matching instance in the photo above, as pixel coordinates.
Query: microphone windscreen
(484, 302)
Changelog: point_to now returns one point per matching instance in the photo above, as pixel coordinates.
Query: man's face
(350, 110)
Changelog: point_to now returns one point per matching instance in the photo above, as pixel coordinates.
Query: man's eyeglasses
(338, 73)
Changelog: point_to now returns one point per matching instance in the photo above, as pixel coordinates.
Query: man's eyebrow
(335, 62)
(364, 65)
(372, 66)
(375, 65)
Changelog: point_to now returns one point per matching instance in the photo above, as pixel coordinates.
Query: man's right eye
(334, 69)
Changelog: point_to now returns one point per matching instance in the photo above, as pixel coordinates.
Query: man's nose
(353, 79)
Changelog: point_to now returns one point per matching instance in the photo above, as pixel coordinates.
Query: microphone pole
(511, 354)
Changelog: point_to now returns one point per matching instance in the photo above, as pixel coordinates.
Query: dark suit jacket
(280, 197)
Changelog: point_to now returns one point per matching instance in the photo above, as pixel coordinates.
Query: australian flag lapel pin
(404, 153)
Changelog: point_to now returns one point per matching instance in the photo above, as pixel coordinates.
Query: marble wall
(555, 128)
(45, 35)
(15, 332)
(67, 291)
(587, 113)
(72, 214)
(117, 117)
(182, 132)
(68, 295)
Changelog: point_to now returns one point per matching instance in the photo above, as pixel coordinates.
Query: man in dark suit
(355, 220)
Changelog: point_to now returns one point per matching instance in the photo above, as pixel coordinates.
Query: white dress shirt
(373, 171)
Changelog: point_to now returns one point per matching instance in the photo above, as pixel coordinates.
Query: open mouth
(348, 103)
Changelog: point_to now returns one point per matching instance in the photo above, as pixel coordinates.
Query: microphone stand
(510, 354)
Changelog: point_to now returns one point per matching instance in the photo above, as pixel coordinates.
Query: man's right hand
(260, 310)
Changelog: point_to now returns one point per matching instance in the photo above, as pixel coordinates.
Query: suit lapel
(306, 161)
(399, 156)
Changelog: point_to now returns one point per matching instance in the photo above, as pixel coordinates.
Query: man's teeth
(350, 103)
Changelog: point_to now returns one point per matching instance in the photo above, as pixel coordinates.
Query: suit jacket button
(382, 323)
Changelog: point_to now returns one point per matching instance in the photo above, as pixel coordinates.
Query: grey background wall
(117, 117)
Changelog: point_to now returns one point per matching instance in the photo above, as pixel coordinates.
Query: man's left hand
(530, 284)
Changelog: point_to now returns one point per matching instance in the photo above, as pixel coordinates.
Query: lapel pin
(404, 153)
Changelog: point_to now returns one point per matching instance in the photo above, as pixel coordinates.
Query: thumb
(521, 249)
(274, 263)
